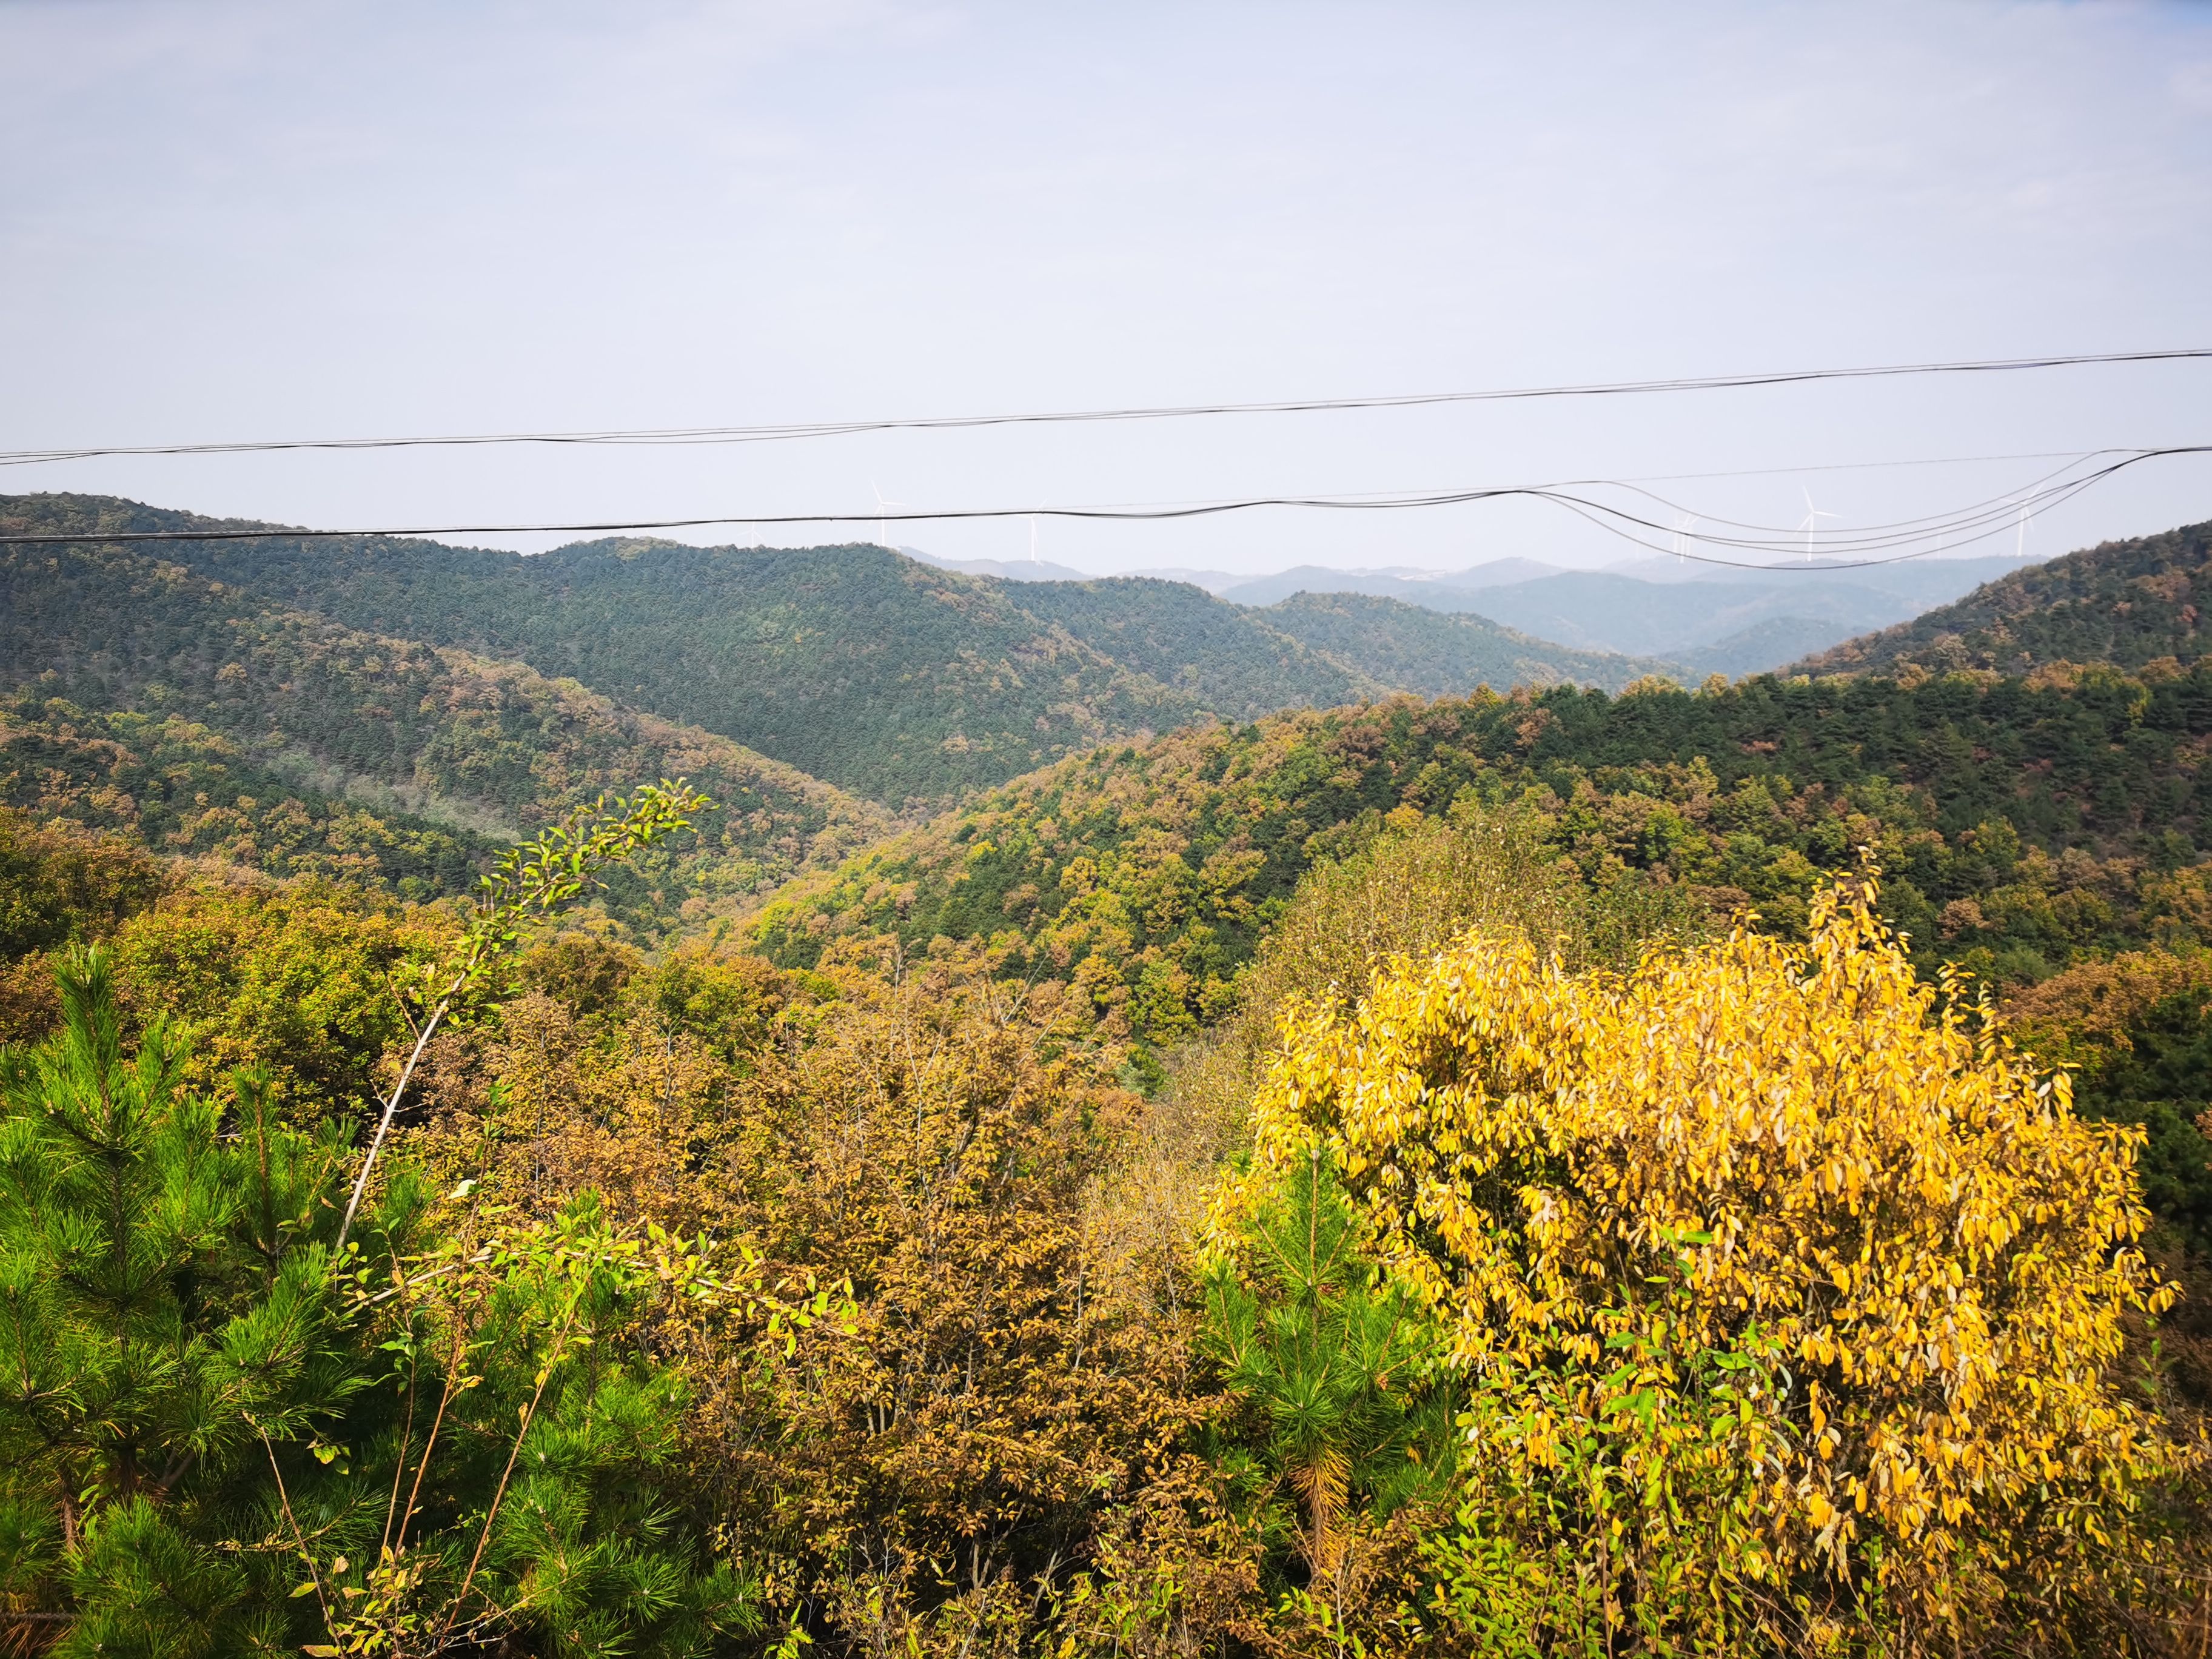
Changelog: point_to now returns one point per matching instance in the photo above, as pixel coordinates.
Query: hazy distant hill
(1437, 593)
(2125, 602)
(1596, 612)
(1758, 649)
(877, 673)
(1706, 618)
(1918, 582)
(1439, 655)
(1011, 570)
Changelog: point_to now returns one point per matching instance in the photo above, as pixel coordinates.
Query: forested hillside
(1009, 1234)
(2126, 602)
(885, 676)
(1436, 653)
(202, 719)
(2023, 826)
(712, 1307)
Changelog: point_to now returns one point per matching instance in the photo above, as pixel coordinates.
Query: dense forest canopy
(1540, 1171)
(204, 719)
(888, 677)
(2025, 822)
(2131, 602)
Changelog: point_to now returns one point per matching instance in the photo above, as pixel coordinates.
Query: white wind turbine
(883, 518)
(2026, 524)
(1683, 526)
(1811, 526)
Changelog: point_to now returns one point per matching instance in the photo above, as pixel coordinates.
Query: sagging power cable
(1917, 538)
(792, 430)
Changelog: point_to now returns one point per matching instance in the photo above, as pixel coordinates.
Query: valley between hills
(991, 1047)
(1122, 778)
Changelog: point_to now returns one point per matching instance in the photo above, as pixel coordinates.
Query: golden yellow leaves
(1798, 1148)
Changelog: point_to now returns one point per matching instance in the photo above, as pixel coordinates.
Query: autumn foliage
(1516, 1265)
(1794, 1292)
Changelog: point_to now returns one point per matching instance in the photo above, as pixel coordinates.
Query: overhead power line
(787, 432)
(1891, 543)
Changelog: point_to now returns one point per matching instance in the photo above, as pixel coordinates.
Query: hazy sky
(226, 220)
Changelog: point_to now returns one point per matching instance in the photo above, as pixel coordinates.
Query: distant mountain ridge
(2129, 602)
(901, 682)
(1438, 653)
(1706, 619)
(1007, 570)
(1437, 593)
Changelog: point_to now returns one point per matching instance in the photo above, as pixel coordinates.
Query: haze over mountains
(1706, 618)
(1701, 618)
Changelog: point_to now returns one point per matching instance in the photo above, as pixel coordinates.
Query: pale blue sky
(226, 220)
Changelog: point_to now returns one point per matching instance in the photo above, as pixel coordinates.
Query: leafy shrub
(1789, 1291)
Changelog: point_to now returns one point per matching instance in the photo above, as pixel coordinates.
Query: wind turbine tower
(1811, 526)
(1683, 526)
(883, 518)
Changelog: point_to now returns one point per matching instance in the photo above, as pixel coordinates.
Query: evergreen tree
(219, 1435)
(1337, 1371)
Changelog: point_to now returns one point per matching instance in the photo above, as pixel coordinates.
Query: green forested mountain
(137, 695)
(2127, 602)
(1439, 653)
(1229, 662)
(963, 1252)
(881, 675)
(2023, 826)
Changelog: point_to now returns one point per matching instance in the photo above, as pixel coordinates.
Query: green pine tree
(1338, 1373)
(221, 1434)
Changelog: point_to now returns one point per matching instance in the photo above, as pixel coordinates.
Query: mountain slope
(2125, 602)
(861, 668)
(906, 683)
(205, 718)
(1760, 647)
(1229, 661)
(2019, 826)
(1436, 653)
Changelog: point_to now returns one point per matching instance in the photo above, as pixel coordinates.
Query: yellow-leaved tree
(1791, 1292)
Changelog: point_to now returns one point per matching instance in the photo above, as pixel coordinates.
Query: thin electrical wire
(2003, 502)
(2006, 500)
(2069, 455)
(1977, 523)
(1872, 466)
(787, 432)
